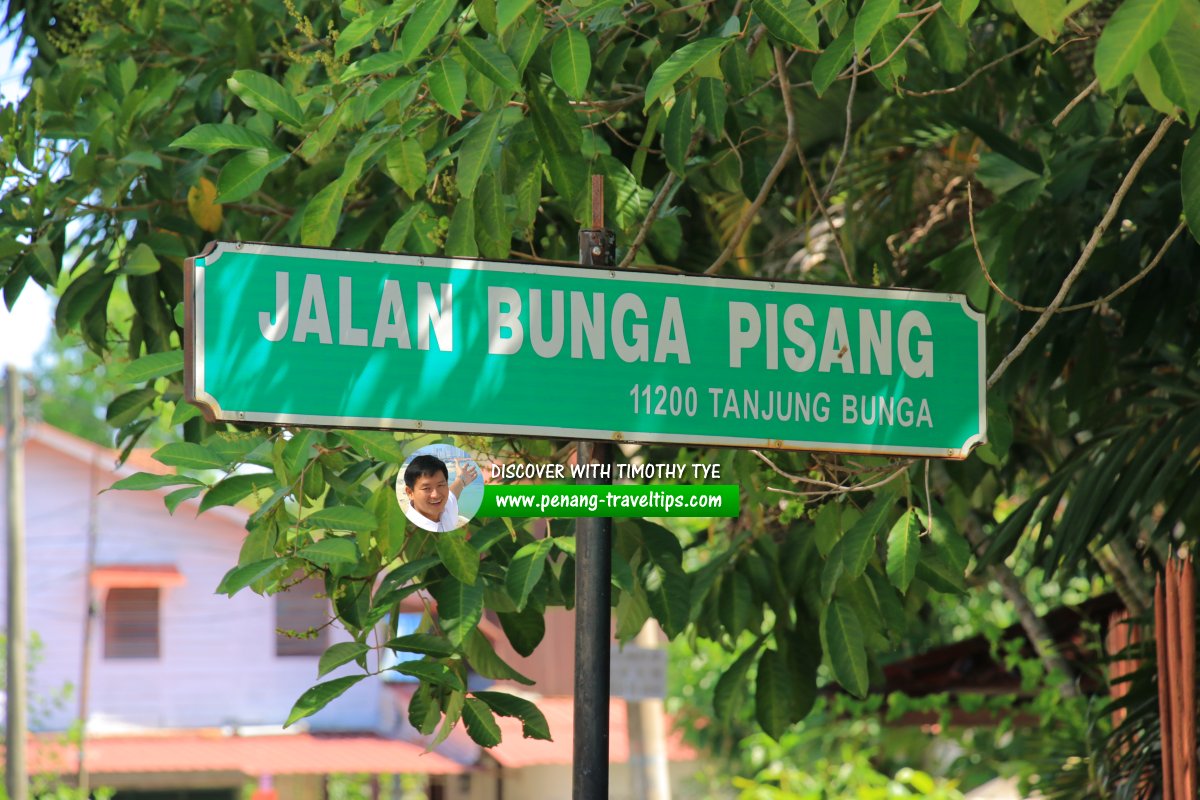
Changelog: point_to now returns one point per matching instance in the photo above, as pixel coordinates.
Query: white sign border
(194, 351)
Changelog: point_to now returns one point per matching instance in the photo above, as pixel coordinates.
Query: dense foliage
(1030, 153)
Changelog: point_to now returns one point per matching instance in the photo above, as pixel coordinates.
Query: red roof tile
(515, 751)
(204, 751)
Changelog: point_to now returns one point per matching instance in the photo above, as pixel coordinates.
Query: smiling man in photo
(432, 498)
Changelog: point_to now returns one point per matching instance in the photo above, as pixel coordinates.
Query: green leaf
(735, 66)
(947, 42)
(320, 696)
(790, 21)
(439, 674)
(508, 12)
(377, 444)
(712, 103)
(460, 236)
(453, 706)
(491, 61)
(331, 551)
(523, 42)
(483, 659)
(1134, 28)
(339, 654)
(245, 173)
(127, 407)
(773, 694)
(151, 366)
(1150, 84)
(633, 609)
(376, 64)
(424, 643)
(459, 606)
(1044, 17)
(1190, 181)
(189, 456)
(422, 26)
(678, 64)
(476, 150)
(736, 603)
(533, 722)
(668, 593)
(559, 133)
(903, 551)
(264, 94)
(731, 686)
(842, 639)
(481, 723)
(677, 133)
(493, 232)
(458, 556)
(960, 10)
(524, 629)
(485, 12)
(831, 63)
(448, 85)
(239, 578)
(870, 21)
(526, 570)
(858, 545)
(937, 572)
(395, 582)
(173, 500)
(423, 710)
(233, 489)
(571, 63)
(343, 518)
(359, 30)
(144, 481)
(1177, 59)
(141, 261)
(322, 215)
(404, 161)
(214, 137)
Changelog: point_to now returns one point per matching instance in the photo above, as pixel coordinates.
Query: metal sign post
(593, 578)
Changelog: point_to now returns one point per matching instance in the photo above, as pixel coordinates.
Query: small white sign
(638, 673)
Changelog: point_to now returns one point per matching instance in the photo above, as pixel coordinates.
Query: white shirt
(447, 522)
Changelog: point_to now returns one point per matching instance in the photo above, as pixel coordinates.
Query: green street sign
(293, 335)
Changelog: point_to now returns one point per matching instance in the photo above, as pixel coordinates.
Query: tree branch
(849, 124)
(1035, 627)
(990, 65)
(1084, 257)
(833, 233)
(747, 219)
(1154, 262)
(928, 12)
(651, 215)
(1079, 98)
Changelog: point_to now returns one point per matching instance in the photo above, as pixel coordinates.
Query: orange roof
(211, 751)
(515, 751)
(137, 576)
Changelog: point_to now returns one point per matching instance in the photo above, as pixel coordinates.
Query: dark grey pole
(593, 575)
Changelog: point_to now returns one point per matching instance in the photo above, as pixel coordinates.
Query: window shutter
(131, 623)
